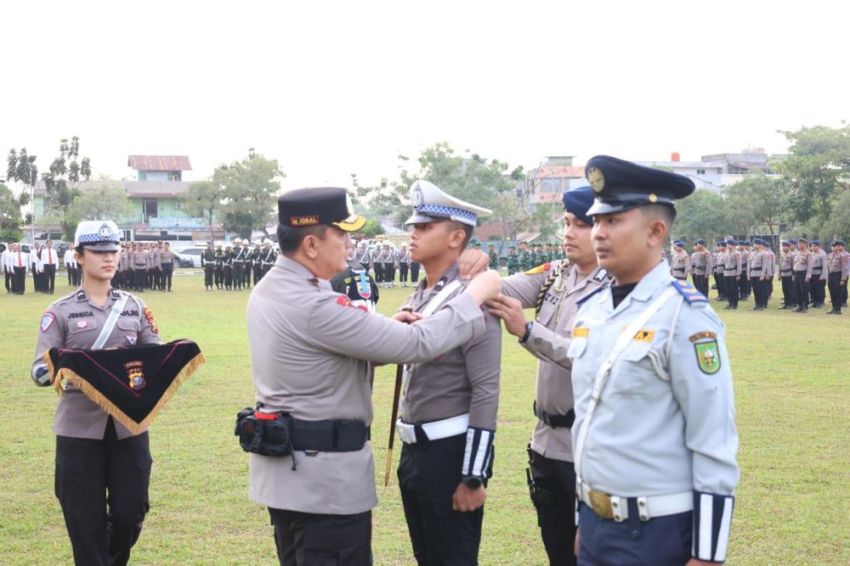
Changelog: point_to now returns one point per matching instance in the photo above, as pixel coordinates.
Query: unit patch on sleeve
(707, 352)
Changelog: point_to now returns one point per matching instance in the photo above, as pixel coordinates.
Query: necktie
(20, 263)
(49, 256)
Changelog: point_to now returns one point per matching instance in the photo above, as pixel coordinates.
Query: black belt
(816, 272)
(555, 421)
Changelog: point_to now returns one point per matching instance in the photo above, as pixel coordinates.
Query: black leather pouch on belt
(278, 434)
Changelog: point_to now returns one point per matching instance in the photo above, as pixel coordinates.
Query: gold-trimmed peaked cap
(301, 208)
(431, 203)
(620, 185)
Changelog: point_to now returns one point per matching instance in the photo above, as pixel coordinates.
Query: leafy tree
(838, 225)
(757, 203)
(202, 199)
(702, 215)
(818, 165)
(371, 228)
(10, 214)
(250, 189)
(470, 177)
(62, 181)
(108, 200)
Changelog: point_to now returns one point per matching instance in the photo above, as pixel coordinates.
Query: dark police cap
(578, 201)
(815, 242)
(802, 240)
(622, 185)
(731, 243)
(792, 241)
(839, 243)
(302, 208)
(679, 243)
(700, 242)
(757, 242)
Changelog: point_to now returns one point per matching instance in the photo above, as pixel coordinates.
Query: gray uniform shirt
(733, 264)
(463, 380)
(310, 354)
(819, 270)
(680, 265)
(74, 322)
(803, 262)
(549, 341)
(786, 264)
(701, 263)
(141, 260)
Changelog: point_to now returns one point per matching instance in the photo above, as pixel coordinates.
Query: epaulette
(63, 299)
(542, 268)
(601, 275)
(584, 299)
(688, 291)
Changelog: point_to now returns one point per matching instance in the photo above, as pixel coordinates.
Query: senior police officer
(310, 354)
(448, 412)
(655, 439)
(102, 469)
(553, 290)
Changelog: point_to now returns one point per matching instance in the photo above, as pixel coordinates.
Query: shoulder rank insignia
(601, 275)
(707, 351)
(542, 268)
(690, 292)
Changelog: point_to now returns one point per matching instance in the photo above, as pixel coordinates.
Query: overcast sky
(334, 88)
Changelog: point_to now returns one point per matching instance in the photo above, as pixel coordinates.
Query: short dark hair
(289, 238)
(467, 231)
(662, 211)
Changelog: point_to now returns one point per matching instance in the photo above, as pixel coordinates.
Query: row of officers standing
(234, 267)
(145, 266)
(743, 268)
(42, 262)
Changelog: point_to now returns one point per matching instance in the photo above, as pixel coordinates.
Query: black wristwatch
(472, 482)
(525, 336)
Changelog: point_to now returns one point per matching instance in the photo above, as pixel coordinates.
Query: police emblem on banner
(364, 288)
(707, 351)
(135, 375)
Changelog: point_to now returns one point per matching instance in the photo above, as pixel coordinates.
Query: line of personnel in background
(238, 266)
(742, 269)
(41, 262)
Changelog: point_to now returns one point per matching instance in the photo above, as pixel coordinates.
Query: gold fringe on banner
(98, 398)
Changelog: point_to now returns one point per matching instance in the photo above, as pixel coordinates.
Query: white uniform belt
(434, 430)
(649, 507)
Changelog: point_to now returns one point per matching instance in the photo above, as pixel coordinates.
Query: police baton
(399, 373)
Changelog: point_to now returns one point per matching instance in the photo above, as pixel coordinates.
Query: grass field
(793, 403)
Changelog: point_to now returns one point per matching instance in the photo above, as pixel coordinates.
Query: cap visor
(420, 219)
(351, 224)
(103, 247)
(600, 207)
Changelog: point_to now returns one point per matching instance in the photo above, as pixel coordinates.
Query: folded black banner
(131, 384)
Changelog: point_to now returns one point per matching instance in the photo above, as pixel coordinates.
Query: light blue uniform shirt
(666, 420)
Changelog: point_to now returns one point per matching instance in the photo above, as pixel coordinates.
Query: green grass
(791, 381)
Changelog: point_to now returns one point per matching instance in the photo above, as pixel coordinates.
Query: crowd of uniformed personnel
(744, 269)
(237, 266)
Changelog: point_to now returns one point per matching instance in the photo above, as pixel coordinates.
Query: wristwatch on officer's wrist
(525, 336)
(472, 482)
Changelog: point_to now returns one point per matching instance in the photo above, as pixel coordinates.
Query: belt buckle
(601, 504)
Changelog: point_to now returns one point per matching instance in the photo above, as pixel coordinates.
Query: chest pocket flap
(79, 325)
(129, 323)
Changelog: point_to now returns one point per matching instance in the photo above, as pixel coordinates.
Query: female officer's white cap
(431, 203)
(98, 235)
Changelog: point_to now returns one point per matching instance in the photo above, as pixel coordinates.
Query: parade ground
(792, 396)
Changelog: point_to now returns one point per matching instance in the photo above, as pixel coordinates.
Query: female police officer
(102, 470)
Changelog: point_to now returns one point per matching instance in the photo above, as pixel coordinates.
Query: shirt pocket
(129, 324)
(633, 373)
(577, 347)
(78, 327)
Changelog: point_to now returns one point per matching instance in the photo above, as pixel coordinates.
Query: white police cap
(98, 235)
(431, 203)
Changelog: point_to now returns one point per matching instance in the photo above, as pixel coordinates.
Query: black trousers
(167, 273)
(8, 276)
(403, 269)
(553, 494)
(379, 273)
(19, 280)
(836, 295)
(246, 275)
(227, 277)
(801, 290)
(237, 275)
(788, 298)
(219, 277)
(744, 286)
(414, 271)
(311, 539)
(701, 283)
(428, 475)
(719, 280)
(102, 486)
(818, 290)
(730, 285)
(49, 277)
(208, 276)
(760, 291)
(389, 272)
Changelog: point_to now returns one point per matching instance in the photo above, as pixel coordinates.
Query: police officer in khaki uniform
(733, 268)
(802, 274)
(167, 262)
(554, 290)
(759, 274)
(719, 261)
(310, 354)
(680, 264)
(448, 412)
(836, 267)
(786, 274)
(817, 284)
(701, 266)
(102, 471)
